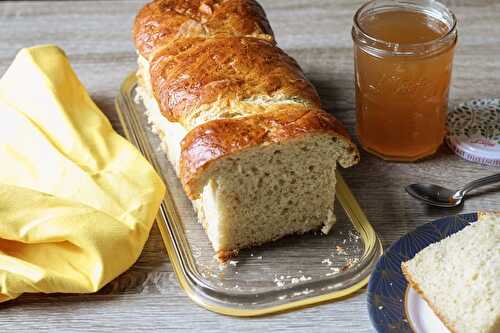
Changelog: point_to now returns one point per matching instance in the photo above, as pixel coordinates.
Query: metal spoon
(442, 197)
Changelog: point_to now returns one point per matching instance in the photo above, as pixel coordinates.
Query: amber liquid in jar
(402, 99)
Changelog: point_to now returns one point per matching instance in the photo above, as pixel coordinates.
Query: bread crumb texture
(459, 277)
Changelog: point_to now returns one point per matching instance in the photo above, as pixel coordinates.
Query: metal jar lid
(474, 131)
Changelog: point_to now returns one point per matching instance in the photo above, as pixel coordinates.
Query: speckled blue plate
(393, 307)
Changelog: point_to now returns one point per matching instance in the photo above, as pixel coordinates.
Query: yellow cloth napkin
(77, 201)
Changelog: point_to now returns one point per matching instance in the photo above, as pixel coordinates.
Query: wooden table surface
(96, 37)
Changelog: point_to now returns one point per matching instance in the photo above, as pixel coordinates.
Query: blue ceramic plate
(393, 307)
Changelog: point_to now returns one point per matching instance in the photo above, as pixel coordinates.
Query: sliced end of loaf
(265, 193)
(207, 146)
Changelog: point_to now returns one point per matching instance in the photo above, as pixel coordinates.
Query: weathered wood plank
(96, 37)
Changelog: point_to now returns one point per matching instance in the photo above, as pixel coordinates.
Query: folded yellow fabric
(77, 201)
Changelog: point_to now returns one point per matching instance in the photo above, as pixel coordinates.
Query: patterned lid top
(474, 131)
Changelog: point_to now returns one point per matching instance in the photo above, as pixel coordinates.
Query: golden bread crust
(224, 255)
(486, 215)
(162, 21)
(230, 72)
(216, 139)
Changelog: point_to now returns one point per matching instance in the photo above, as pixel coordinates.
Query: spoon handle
(480, 182)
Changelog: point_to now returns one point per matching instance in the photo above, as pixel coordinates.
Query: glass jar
(403, 54)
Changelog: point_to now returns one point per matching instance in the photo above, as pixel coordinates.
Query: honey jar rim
(377, 45)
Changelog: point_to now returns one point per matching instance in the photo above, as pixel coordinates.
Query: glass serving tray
(289, 273)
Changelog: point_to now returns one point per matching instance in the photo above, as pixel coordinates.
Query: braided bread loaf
(239, 120)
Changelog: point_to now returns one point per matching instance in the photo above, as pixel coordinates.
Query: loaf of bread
(239, 121)
(459, 277)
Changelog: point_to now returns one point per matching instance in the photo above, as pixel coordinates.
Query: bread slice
(459, 277)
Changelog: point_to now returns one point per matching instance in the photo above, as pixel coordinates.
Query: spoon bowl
(434, 195)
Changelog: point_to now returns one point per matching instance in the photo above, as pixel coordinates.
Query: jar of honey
(403, 54)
